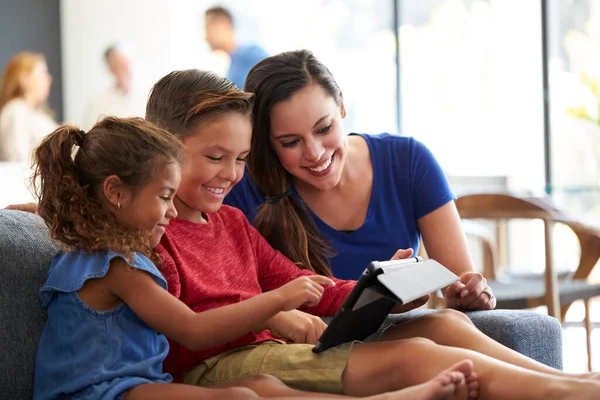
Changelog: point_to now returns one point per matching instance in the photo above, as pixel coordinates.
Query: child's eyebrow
(225, 150)
(169, 188)
(220, 148)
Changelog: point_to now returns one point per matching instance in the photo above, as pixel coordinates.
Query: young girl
(109, 205)
(213, 257)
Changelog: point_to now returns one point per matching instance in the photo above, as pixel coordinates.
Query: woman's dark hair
(180, 101)
(70, 167)
(287, 223)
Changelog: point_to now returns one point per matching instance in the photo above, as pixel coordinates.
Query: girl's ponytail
(56, 179)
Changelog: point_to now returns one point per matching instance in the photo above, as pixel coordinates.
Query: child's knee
(263, 380)
(448, 316)
(237, 393)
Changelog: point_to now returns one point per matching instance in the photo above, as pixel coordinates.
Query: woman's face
(36, 84)
(308, 138)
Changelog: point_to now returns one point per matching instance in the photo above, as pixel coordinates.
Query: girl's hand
(297, 326)
(303, 291)
(27, 207)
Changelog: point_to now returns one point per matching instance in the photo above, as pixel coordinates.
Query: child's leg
(448, 383)
(455, 329)
(385, 366)
(160, 391)
(442, 387)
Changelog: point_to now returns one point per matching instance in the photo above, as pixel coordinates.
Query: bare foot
(457, 383)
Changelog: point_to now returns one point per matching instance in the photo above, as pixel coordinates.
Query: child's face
(215, 157)
(150, 207)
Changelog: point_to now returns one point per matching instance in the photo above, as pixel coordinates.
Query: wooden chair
(514, 291)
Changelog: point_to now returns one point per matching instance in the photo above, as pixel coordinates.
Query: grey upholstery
(25, 255)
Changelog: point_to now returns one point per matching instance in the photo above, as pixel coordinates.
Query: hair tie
(276, 199)
(80, 137)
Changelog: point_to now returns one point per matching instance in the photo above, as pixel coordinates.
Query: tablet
(381, 286)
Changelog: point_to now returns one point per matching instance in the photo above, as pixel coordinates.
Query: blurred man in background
(220, 36)
(120, 100)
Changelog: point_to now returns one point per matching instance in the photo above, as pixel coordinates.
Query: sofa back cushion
(25, 255)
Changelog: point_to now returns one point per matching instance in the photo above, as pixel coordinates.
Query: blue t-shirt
(90, 354)
(408, 183)
(242, 60)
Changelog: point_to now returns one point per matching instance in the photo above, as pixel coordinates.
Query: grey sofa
(25, 254)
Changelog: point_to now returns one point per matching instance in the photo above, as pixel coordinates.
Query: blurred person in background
(121, 100)
(220, 36)
(25, 118)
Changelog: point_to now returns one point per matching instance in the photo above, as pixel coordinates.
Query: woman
(24, 116)
(334, 202)
(348, 199)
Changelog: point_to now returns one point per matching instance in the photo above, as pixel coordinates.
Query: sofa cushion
(25, 254)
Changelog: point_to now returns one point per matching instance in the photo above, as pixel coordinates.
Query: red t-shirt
(223, 262)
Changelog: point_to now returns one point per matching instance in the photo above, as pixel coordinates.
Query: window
(471, 89)
(353, 38)
(574, 73)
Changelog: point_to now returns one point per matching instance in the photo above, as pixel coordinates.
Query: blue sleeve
(245, 196)
(430, 187)
(260, 54)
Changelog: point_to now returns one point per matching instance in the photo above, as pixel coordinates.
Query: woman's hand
(470, 293)
(401, 254)
(27, 207)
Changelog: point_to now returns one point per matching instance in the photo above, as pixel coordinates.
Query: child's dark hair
(287, 223)
(180, 101)
(69, 188)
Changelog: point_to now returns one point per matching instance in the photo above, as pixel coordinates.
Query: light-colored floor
(575, 351)
(574, 346)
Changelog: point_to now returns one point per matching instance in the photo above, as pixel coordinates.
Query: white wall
(168, 35)
(161, 36)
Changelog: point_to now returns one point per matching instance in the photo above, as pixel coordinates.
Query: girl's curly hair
(70, 168)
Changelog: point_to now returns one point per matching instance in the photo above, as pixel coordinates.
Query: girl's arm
(210, 328)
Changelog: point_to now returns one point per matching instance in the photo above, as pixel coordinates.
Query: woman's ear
(116, 191)
(342, 109)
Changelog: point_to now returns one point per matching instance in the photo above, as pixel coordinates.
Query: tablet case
(381, 286)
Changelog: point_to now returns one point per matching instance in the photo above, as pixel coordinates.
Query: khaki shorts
(294, 364)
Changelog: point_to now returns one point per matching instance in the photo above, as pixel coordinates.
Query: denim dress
(88, 354)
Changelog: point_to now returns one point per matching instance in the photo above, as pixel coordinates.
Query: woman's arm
(446, 243)
(445, 240)
(440, 226)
